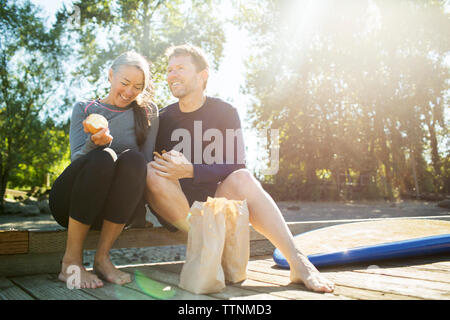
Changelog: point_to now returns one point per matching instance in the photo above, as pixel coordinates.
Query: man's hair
(197, 55)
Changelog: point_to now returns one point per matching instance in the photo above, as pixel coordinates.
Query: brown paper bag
(202, 272)
(218, 245)
(237, 241)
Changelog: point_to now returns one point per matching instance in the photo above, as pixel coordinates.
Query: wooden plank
(230, 292)
(48, 287)
(400, 286)
(254, 283)
(282, 288)
(13, 242)
(55, 241)
(9, 291)
(340, 289)
(257, 296)
(408, 272)
(416, 288)
(160, 281)
(428, 262)
(261, 272)
(30, 263)
(111, 291)
(429, 268)
(267, 263)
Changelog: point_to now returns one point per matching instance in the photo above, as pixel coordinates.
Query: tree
(108, 28)
(29, 75)
(357, 90)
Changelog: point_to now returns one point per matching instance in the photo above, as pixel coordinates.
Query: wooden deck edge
(37, 241)
(45, 248)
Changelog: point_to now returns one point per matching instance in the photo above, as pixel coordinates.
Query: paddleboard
(371, 241)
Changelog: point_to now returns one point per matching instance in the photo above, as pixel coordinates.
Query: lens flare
(153, 288)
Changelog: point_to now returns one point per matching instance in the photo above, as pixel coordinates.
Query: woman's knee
(133, 158)
(101, 161)
(133, 162)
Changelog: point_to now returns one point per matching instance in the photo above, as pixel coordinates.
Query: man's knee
(240, 181)
(155, 183)
(241, 176)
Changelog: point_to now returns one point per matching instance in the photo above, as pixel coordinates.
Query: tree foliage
(75, 53)
(358, 91)
(29, 75)
(109, 27)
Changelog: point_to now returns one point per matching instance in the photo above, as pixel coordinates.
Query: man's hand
(173, 165)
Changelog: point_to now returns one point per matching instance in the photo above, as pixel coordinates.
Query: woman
(103, 187)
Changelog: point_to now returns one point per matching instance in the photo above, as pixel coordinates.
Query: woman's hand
(173, 165)
(101, 138)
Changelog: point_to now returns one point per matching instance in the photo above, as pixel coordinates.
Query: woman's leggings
(100, 186)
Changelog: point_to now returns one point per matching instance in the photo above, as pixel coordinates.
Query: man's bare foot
(88, 280)
(105, 269)
(303, 271)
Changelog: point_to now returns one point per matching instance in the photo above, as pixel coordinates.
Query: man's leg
(267, 219)
(168, 199)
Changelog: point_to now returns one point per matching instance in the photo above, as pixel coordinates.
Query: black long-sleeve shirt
(209, 137)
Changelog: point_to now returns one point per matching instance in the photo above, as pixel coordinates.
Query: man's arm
(174, 165)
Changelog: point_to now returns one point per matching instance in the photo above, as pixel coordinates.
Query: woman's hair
(143, 105)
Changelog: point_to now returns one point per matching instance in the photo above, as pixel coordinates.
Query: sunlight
(300, 19)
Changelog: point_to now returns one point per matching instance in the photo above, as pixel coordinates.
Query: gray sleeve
(149, 145)
(80, 142)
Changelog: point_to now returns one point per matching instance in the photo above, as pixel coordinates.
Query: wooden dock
(419, 278)
(426, 277)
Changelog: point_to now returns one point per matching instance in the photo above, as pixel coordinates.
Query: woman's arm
(149, 145)
(80, 141)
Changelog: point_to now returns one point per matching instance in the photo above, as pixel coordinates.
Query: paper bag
(202, 272)
(237, 241)
(218, 245)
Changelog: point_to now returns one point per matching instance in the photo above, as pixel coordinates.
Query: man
(177, 179)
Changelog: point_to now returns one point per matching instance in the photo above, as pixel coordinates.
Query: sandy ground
(291, 210)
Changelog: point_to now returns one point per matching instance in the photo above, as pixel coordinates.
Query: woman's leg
(73, 256)
(125, 194)
(267, 219)
(102, 262)
(75, 199)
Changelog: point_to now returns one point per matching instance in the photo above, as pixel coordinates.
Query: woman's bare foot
(303, 271)
(105, 269)
(88, 280)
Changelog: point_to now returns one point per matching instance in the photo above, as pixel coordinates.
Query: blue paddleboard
(435, 244)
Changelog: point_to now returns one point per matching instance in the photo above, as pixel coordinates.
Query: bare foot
(87, 279)
(105, 269)
(305, 272)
